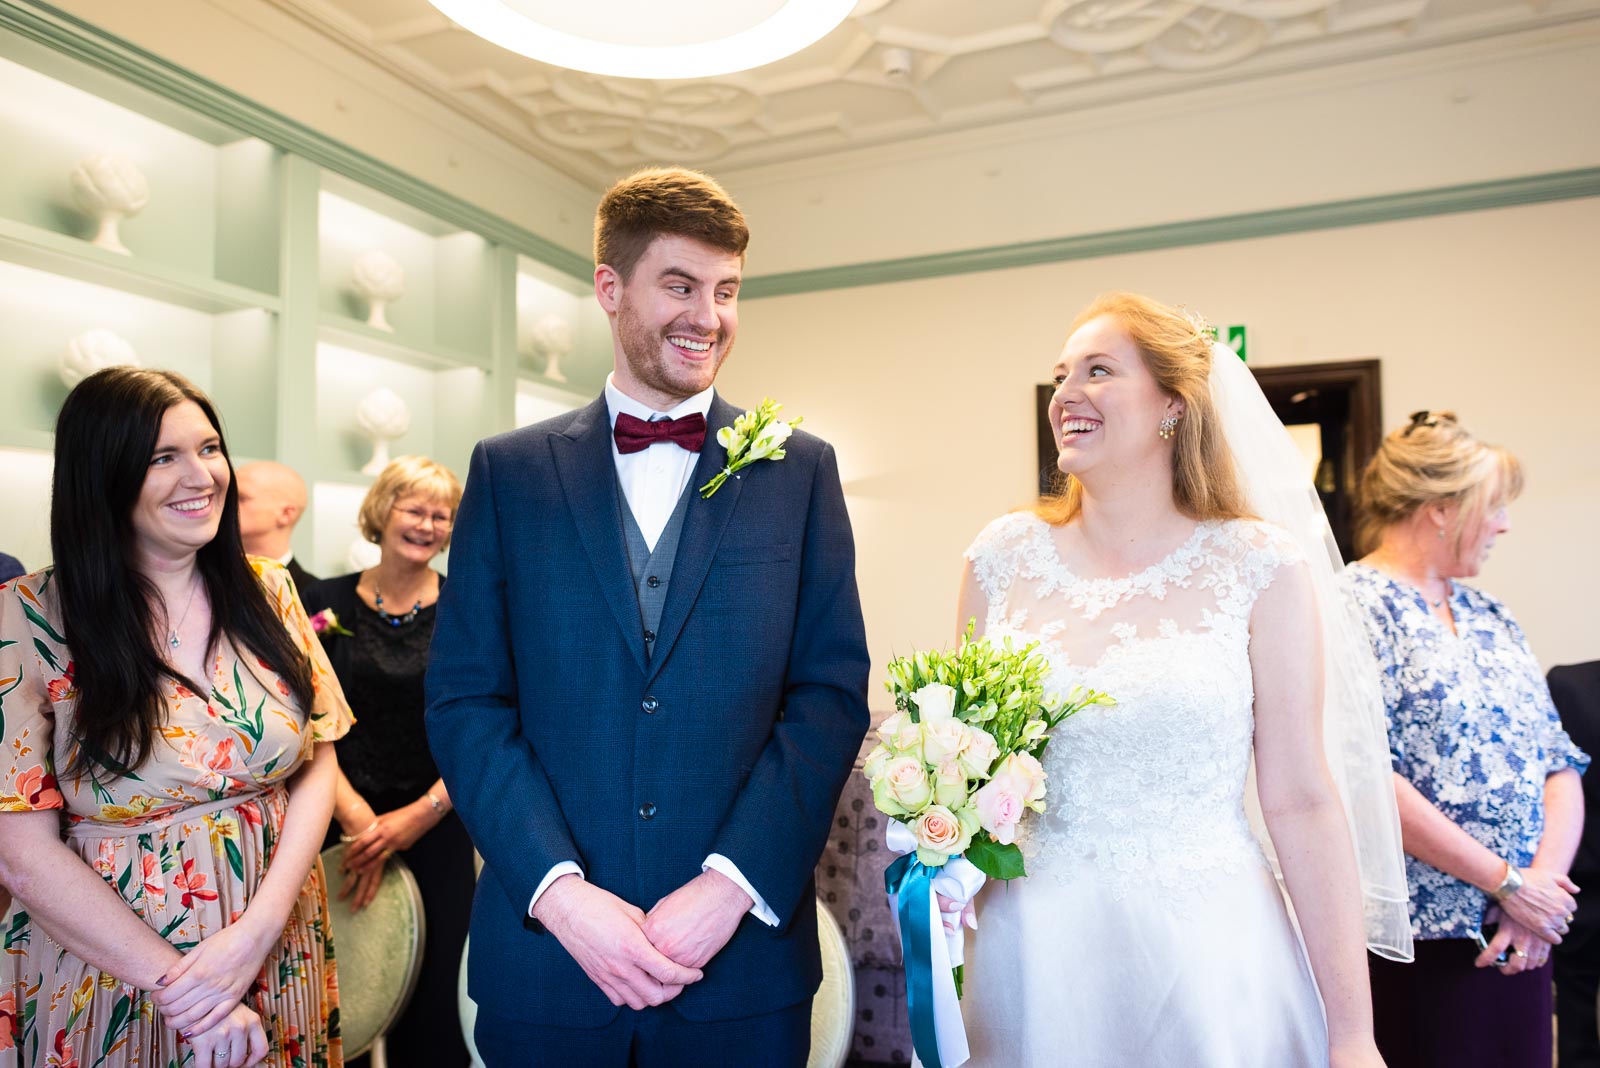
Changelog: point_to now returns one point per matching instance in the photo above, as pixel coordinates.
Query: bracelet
(1509, 885)
(438, 806)
(352, 837)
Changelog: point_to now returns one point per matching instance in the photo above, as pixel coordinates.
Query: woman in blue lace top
(1490, 802)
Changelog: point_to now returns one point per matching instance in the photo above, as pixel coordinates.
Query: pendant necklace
(172, 632)
(393, 620)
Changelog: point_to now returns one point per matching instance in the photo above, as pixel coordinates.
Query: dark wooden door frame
(1360, 377)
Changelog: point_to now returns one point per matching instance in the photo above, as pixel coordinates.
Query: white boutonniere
(757, 435)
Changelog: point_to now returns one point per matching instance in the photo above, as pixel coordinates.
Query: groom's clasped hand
(641, 959)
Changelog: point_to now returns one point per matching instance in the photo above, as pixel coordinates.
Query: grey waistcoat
(652, 571)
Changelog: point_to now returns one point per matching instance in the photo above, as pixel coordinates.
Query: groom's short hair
(673, 201)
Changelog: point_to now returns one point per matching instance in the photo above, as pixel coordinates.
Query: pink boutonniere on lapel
(327, 622)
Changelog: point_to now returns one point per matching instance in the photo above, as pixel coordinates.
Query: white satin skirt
(1065, 973)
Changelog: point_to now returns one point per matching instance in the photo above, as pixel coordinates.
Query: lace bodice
(1150, 790)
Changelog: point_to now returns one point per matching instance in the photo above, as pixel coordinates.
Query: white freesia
(935, 702)
(770, 440)
(755, 435)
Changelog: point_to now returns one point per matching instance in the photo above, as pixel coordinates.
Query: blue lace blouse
(1471, 725)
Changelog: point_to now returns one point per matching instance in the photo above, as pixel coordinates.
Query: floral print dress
(1471, 726)
(185, 841)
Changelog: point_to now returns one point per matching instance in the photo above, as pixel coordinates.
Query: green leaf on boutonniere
(755, 435)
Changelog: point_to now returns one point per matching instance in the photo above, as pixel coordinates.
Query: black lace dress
(386, 758)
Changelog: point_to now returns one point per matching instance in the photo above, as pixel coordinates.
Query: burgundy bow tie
(635, 435)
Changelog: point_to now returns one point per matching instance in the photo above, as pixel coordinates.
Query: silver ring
(1518, 952)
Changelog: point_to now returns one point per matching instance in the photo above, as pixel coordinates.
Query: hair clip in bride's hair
(1206, 331)
(1422, 418)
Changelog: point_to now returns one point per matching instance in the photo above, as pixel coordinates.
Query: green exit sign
(1231, 336)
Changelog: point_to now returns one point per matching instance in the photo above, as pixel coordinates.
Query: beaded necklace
(394, 620)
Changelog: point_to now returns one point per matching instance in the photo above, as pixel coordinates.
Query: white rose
(900, 734)
(903, 788)
(945, 739)
(935, 702)
(980, 753)
(1026, 769)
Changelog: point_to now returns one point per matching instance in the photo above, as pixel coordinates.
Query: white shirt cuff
(721, 864)
(566, 867)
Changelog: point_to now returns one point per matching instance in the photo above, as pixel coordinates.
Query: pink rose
(941, 834)
(1000, 803)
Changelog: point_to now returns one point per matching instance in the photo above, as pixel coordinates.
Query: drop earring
(1168, 427)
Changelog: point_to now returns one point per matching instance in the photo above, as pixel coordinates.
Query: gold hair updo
(1431, 460)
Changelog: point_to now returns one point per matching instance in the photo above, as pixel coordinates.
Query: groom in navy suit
(645, 701)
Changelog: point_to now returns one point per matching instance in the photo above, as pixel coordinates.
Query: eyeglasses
(441, 520)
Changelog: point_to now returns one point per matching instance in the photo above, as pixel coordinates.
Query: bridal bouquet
(956, 768)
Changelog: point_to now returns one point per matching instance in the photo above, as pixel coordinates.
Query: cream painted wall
(926, 388)
(1479, 111)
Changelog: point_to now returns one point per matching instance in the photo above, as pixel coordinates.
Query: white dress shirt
(652, 482)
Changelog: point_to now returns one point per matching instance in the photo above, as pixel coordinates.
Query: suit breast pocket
(754, 555)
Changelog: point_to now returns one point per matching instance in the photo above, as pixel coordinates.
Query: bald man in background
(272, 498)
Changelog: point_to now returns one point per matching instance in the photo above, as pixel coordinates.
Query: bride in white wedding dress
(1151, 930)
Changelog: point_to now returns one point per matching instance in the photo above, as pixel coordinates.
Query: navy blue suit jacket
(556, 736)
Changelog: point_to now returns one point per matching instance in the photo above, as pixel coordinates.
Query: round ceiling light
(649, 39)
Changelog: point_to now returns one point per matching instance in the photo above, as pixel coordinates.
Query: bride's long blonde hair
(1178, 355)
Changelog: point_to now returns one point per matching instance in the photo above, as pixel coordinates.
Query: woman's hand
(1544, 904)
(389, 833)
(952, 914)
(200, 991)
(1361, 1053)
(237, 1040)
(361, 886)
(1524, 948)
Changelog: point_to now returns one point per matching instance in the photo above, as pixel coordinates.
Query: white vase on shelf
(110, 188)
(94, 350)
(380, 280)
(383, 416)
(551, 338)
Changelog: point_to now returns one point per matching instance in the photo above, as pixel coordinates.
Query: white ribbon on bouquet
(958, 880)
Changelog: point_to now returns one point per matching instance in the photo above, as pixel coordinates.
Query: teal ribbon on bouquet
(910, 883)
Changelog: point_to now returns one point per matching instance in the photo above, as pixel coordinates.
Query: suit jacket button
(652, 582)
(650, 704)
(649, 635)
(647, 811)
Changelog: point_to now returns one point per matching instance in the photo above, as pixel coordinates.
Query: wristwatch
(1509, 885)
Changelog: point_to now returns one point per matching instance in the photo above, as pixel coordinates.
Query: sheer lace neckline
(1141, 577)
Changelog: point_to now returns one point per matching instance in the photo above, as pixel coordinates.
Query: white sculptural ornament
(551, 337)
(383, 416)
(110, 188)
(380, 279)
(362, 555)
(92, 351)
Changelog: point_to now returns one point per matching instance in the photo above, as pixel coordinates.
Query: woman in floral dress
(167, 770)
(1487, 780)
